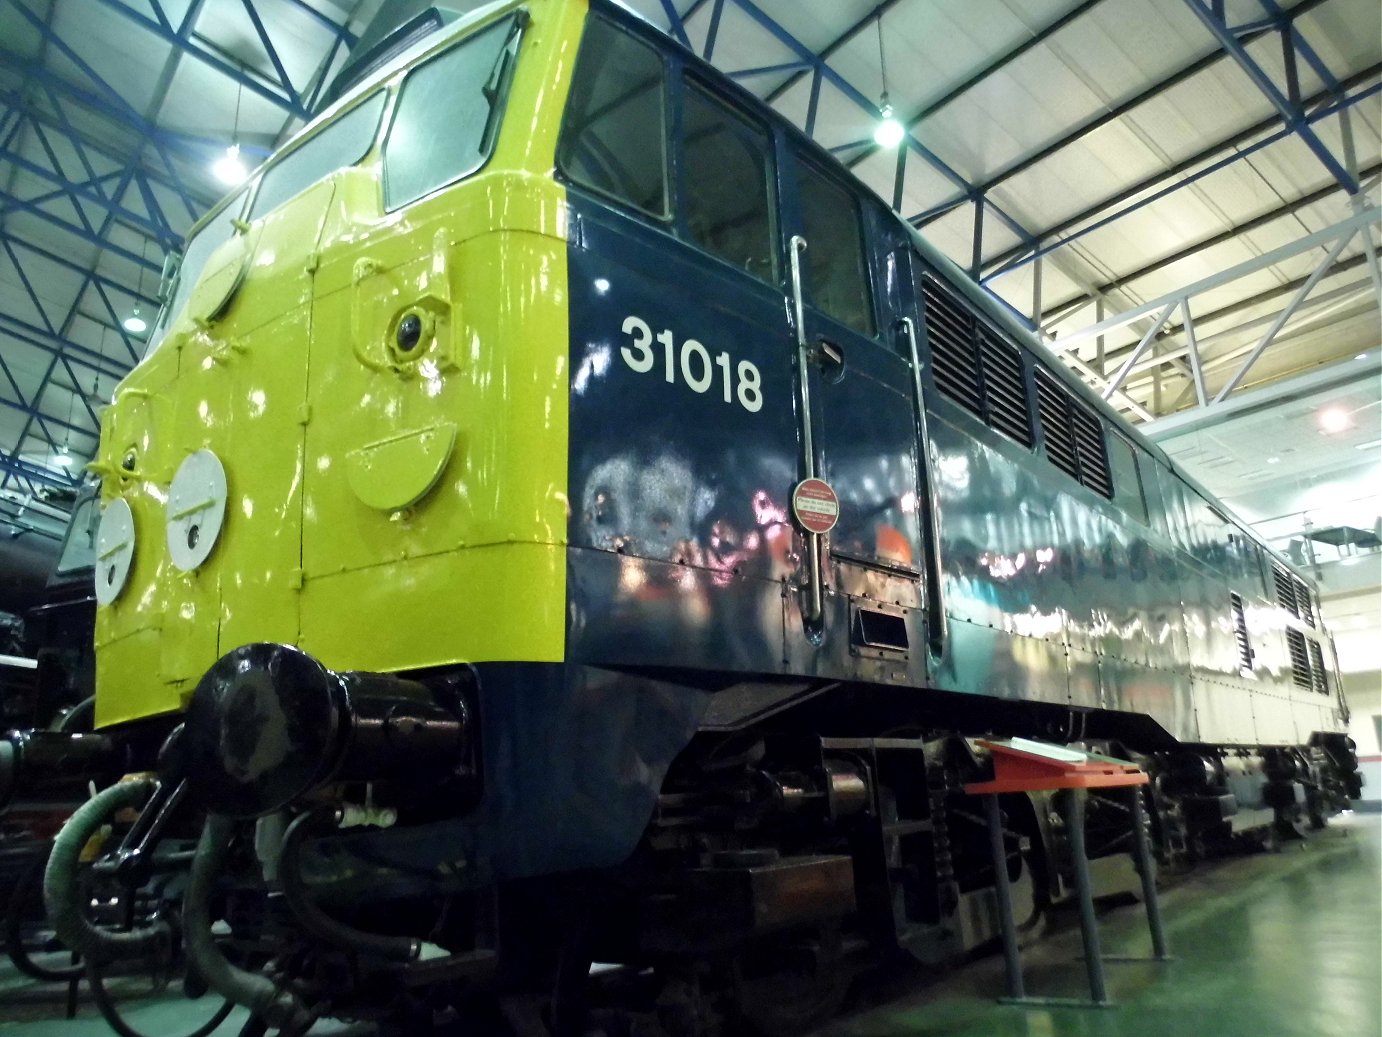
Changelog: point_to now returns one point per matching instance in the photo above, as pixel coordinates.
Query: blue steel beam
(675, 24)
(116, 111)
(1282, 20)
(30, 335)
(165, 235)
(713, 33)
(1213, 20)
(109, 102)
(15, 466)
(820, 67)
(766, 70)
(284, 80)
(30, 406)
(87, 236)
(182, 39)
(66, 262)
(83, 145)
(60, 333)
(52, 196)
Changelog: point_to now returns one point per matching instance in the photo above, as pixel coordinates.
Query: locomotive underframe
(775, 854)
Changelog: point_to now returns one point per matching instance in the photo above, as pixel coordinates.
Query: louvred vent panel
(954, 358)
(1285, 588)
(1053, 411)
(1320, 676)
(1089, 445)
(1240, 632)
(1005, 392)
(1300, 659)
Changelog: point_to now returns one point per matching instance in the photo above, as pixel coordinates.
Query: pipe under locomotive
(464, 544)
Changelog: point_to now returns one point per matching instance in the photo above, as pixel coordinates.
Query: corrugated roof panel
(1346, 34)
(105, 40)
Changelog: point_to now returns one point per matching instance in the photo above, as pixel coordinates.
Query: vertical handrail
(937, 626)
(815, 600)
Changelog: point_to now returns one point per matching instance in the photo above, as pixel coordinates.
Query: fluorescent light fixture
(889, 132)
(1334, 419)
(1369, 445)
(229, 169)
(134, 323)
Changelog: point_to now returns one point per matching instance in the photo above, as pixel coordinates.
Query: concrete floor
(1286, 944)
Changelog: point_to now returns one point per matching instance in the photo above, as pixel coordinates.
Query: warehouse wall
(1356, 619)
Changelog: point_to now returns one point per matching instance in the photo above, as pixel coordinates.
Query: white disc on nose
(196, 509)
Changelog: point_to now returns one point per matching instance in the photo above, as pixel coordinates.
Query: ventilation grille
(1304, 609)
(1005, 393)
(1053, 411)
(1285, 589)
(1240, 633)
(1319, 675)
(1089, 445)
(1300, 659)
(954, 359)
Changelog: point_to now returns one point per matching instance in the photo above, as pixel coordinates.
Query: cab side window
(727, 184)
(447, 113)
(834, 257)
(613, 138)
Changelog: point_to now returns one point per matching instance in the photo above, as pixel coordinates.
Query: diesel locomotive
(563, 516)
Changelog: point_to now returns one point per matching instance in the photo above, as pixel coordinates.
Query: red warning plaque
(815, 505)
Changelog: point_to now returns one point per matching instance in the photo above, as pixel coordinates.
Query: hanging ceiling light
(889, 131)
(63, 458)
(229, 168)
(135, 324)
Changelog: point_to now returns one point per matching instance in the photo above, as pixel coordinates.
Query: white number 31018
(693, 361)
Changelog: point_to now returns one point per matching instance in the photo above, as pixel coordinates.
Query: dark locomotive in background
(743, 765)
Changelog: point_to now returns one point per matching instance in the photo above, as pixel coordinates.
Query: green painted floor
(1287, 944)
(1284, 944)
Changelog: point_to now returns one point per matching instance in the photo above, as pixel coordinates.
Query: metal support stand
(1011, 958)
(1021, 767)
(1072, 806)
(1142, 858)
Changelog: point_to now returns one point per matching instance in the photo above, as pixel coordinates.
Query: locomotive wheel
(800, 987)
